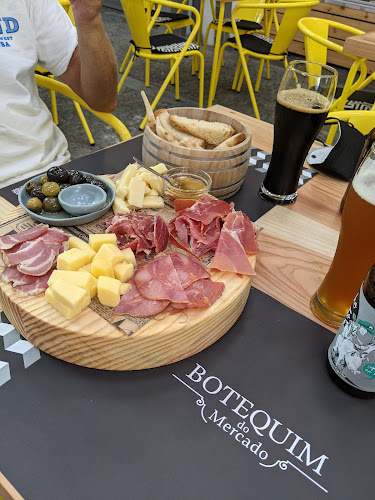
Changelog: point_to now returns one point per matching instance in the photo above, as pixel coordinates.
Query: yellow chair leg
(206, 40)
(126, 58)
(259, 76)
(55, 116)
(236, 74)
(201, 80)
(147, 72)
(171, 65)
(249, 84)
(268, 69)
(84, 123)
(215, 65)
(177, 84)
(240, 81)
(123, 78)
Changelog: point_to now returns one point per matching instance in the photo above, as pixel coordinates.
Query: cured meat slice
(181, 203)
(10, 240)
(188, 269)
(245, 230)
(141, 232)
(12, 275)
(158, 280)
(230, 254)
(36, 259)
(39, 285)
(207, 208)
(54, 234)
(134, 304)
(203, 293)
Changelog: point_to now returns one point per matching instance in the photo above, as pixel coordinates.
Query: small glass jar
(187, 183)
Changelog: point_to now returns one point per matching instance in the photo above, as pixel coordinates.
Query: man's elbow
(107, 106)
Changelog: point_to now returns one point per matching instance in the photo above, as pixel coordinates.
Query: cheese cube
(152, 192)
(129, 256)
(124, 288)
(122, 191)
(86, 268)
(128, 174)
(136, 193)
(153, 202)
(82, 279)
(75, 242)
(70, 295)
(157, 184)
(123, 272)
(120, 206)
(101, 267)
(97, 240)
(111, 253)
(108, 291)
(160, 168)
(72, 259)
(67, 312)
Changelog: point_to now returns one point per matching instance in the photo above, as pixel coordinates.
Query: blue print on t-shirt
(11, 25)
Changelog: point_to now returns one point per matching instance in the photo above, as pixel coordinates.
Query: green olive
(51, 204)
(43, 179)
(30, 185)
(51, 189)
(35, 205)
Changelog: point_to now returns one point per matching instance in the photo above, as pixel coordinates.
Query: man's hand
(92, 70)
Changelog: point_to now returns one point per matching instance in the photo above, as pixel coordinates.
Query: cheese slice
(75, 242)
(111, 253)
(70, 295)
(97, 240)
(80, 278)
(129, 256)
(67, 312)
(137, 188)
(153, 202)
(73, 259)
(128, 174)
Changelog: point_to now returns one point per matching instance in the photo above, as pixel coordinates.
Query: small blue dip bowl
(82, 199)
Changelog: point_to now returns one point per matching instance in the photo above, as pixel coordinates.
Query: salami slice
(203, 293)
(188, 269)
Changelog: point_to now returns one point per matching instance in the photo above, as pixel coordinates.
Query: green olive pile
(43, 194)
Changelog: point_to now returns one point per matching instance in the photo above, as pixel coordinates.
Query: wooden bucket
(227, 167)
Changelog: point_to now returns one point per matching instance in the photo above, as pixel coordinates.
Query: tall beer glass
(303, 101)
(355, 252)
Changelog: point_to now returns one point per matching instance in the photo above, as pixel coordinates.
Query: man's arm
(92, 70)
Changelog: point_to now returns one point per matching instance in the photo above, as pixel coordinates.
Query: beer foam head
(303, 100)
(364, 181)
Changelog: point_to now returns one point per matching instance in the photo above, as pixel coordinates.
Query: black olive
(88, 178)
(51, 204)
(37, 192)
(63, 186)
(75, 177)
(30, 185)
(58, 174)
(101, 184)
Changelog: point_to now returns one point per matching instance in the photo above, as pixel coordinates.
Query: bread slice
(232, 141)
(164, 134)
(175, 132)
(212, 132)
(151, 122)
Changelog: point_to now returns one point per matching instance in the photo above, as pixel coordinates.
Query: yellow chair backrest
(62, 88)
(294, 10)
(68, 9)
(364, 121)
(255, 15)
(316, 33)
(135, 13)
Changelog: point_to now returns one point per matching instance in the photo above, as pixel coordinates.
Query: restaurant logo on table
(255, 426)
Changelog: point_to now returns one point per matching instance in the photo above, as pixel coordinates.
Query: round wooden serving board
(90, 340)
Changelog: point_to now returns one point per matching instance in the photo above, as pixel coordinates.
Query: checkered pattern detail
(260, 160)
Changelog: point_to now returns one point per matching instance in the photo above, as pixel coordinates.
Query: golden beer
(355, 252)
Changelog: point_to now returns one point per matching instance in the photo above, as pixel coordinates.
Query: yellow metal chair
(62, 88)
(364, 121)
(167, 47)
(262, 46)
(317, 44)
(44, 72)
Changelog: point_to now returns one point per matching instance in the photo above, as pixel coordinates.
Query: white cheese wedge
(109, 291)
(129, 256)
(123, 272)
(97, 240)
(137, 188)
(70, 295)
(75, 242)
(153, 202)
(120, 206)
(128, 174)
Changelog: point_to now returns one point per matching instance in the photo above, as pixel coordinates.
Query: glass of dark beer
(303, 101)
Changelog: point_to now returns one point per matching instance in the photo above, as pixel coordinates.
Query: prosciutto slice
(54, 234)
(39, 285)
(207, 208)
(36, 259)
(141, 232)
(134, 304)
(230, 254)
(188, 269)
(12, 275)
(11, 240)
(158, 280)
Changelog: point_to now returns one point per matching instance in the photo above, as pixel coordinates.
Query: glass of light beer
(303, 101)
(355, 252)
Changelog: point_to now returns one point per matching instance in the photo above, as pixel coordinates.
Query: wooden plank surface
(297, 243)
(7, 491)
(361, 45)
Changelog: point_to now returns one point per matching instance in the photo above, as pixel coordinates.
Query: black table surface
(257, 415)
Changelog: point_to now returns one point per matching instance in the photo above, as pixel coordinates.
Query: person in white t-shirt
(40, 32)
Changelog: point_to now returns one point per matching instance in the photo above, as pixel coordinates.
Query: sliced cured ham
(207, 208)
(54, 234)
(39, 285)
(36, 259)
(158, 280)
(203, 293)
(11, 240)
(245, 230)
(141, 232)
(134, 304)
(188, 269)
(12, 275)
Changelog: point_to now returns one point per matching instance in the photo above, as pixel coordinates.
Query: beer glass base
(322, 313)
(278, 199)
